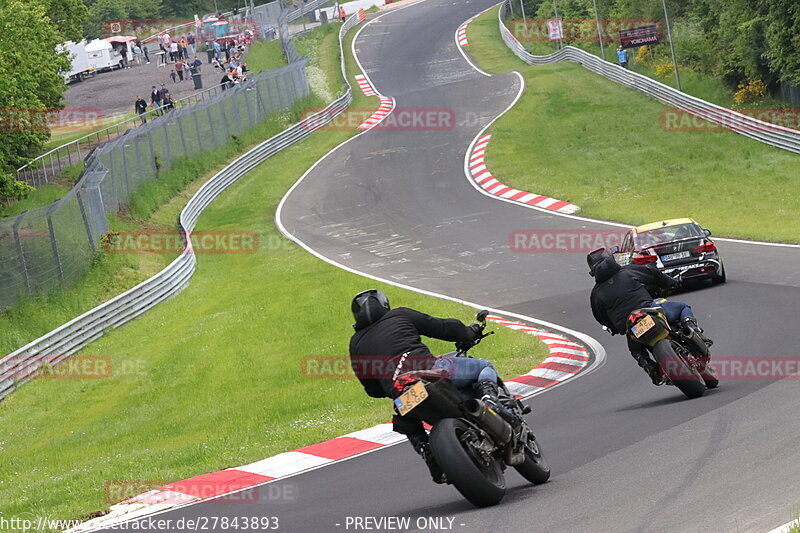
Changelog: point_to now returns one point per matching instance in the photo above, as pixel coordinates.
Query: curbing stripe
(481, 175)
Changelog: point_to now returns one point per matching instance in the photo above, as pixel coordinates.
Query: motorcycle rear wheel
(480, 485)
(677, 370)
(535, 468)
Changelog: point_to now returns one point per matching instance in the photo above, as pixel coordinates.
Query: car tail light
(643, 259)
(707, 247)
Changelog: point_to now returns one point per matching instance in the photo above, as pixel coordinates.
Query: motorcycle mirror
(614, 249)
(481, 316)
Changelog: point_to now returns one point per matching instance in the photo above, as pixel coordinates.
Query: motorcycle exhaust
(499, 429)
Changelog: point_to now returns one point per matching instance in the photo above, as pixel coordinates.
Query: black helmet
(593, 258)
(369, 306)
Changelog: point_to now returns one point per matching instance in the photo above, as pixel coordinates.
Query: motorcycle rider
(392, 337)
(620, 290)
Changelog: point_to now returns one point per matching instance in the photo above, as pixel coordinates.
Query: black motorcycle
(681, 354)
(472, 442)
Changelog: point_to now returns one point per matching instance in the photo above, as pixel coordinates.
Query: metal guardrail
(52, 348)
(765, 132)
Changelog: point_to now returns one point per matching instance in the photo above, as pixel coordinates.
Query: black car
(677, 245)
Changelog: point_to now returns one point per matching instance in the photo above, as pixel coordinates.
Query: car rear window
(667, 234)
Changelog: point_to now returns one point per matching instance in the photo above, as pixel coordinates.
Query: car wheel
(720, 277)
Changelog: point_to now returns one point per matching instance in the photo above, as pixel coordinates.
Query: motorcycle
(681, 354)
(472, 442)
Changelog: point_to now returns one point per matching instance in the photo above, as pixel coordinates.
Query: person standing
(179, 68)
(141, 108)
(342, 13)
(173, 51)
(190, 42)
(155, 99)
(173, 76)
(622, 55)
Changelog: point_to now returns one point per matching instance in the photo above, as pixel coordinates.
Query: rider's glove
(477, 331)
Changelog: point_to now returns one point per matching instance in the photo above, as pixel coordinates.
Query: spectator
(179, 68)
(155, 99)
(184, 53)
(217, 50)
(225, 81)
(173, 51)
(169, 102)
(141, 107)
(144, 51)
(190, 41)
(342, 13)
(196, 63)
(137, 53)
(173, 76)
(217, 64)
(622, 55)
(163, 51)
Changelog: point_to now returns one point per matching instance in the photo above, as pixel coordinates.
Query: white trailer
(102, 56)
(79, 60)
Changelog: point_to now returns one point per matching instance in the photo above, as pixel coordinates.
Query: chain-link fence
(52, 246)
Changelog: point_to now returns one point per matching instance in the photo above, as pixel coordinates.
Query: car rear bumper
(707, 268)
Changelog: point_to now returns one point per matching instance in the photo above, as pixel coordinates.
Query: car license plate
(411, 398)
(673, 257)
(644, 325)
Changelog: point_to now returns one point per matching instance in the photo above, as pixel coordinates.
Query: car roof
(663, 224)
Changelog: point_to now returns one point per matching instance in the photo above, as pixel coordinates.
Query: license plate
(411, 398)
(673, 257)
(644, 325)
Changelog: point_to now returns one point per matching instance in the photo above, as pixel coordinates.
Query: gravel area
(114, 92)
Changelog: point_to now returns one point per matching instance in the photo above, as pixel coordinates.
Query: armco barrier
(771, 134)
(54, 347)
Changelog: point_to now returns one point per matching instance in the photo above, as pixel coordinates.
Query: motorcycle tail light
(643, 259)
(707, 247)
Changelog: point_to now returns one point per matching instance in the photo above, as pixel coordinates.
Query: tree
(783, 38)
(30, 84)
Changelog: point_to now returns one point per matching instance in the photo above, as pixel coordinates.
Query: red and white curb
(387, 104)
(461, 33)
(566, 359)
(481, 176)
(366, 86)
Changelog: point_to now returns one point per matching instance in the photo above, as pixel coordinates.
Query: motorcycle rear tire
(674, 367)
(481, 486)
(535, 468)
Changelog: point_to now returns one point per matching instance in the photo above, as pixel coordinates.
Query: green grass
(579, 137)
(265, 55)
(64, 135)
(212, 378)
(43, 195)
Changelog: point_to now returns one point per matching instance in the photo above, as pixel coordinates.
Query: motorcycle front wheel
(481, 484)
(677, 370)
(535, 468)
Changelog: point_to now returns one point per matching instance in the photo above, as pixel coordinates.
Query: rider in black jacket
(387, 342)
(619, 291)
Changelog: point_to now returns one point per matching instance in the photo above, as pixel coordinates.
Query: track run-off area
(397, 205)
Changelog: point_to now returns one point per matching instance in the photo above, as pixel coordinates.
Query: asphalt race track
(625, 456)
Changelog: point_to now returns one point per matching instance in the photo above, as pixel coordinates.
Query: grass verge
(576, 136)
(213, 378)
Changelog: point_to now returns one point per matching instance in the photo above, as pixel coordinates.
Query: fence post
(197, 130)
(53, 243)
(124, 172)
(85, 220)
(20, 251)
(211, 126)
(179, 123)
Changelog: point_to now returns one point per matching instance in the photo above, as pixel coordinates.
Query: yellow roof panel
(663, 224)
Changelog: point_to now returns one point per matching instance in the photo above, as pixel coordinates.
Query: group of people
(185, 69)
(161, 102)
(176, 49)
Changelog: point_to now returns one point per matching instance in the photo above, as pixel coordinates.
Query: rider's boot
(423, 447)
(690, 323)
(488, 391)
(651, 368)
